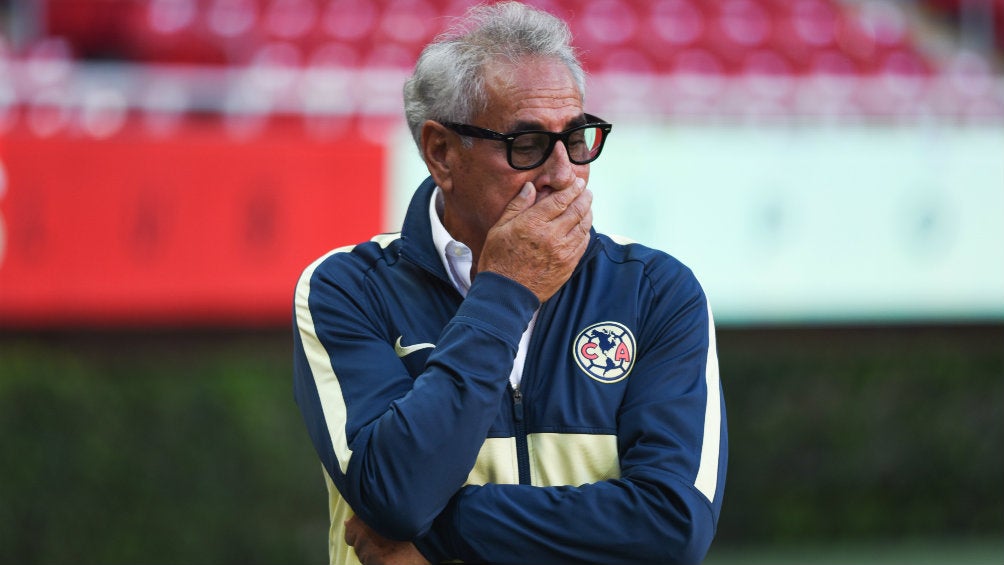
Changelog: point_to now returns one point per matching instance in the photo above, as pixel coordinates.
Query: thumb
(523, 200)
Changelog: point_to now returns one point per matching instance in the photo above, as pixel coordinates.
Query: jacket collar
(416, 232)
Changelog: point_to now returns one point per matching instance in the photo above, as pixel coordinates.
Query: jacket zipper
(522, 447)
(518, 406)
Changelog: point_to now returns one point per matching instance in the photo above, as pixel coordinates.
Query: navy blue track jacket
(612, 450)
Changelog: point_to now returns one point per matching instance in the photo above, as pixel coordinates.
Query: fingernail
(527, 187)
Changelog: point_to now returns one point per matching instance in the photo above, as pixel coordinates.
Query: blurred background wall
(832, 170)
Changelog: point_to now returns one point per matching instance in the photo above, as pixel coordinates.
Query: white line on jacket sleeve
(329, 391)
(707, 472)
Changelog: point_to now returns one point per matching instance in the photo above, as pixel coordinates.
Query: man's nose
(558, 169)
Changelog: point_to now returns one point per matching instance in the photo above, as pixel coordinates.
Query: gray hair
(448, 81)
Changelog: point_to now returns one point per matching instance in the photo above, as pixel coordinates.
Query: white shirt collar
(457, 257)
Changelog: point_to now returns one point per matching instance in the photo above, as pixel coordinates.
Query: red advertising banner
(192, 229)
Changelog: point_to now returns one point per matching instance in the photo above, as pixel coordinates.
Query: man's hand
(373, 549)
(539, 244)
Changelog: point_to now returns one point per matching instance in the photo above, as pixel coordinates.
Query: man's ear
(436, 149)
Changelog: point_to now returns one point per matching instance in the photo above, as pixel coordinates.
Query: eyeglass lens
(532, 149)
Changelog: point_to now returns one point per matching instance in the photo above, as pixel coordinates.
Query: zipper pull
(517, 404)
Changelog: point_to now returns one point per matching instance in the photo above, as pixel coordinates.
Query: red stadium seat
(647, 34)
(765, 62)
(697, 61)
(677, 23)
(606, 22)
(290, 19)
(170, 31)
(735, 27)
(407, 22)
(231, 18)
(390, 54)
(904, 62)
(833, 62)
(350, 20)
(814, 22)
(744, 22)
(672, 26)
(624, 60)
(768, 44)
(335, 55)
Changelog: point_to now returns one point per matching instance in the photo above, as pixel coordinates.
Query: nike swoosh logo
(402, 350)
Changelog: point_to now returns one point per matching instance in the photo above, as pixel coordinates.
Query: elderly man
(498, 382)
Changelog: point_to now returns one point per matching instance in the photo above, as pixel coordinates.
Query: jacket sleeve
(398, 448)
(672, 444)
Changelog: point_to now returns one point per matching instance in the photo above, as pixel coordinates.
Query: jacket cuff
(499, 304)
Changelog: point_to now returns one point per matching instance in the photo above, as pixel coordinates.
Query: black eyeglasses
(529, 149)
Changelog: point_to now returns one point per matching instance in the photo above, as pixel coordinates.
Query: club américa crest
(605, 351)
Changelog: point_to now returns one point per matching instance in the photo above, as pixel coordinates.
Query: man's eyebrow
(527, 125)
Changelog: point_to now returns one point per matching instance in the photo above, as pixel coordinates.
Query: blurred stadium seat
(722, 57)
(869, 55)
(217, 32)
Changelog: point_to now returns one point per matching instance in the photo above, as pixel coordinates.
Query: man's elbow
(684, 541)
(696, 547)
(695, 540)
(401, 519)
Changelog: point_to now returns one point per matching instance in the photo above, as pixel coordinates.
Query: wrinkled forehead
(532, 91)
